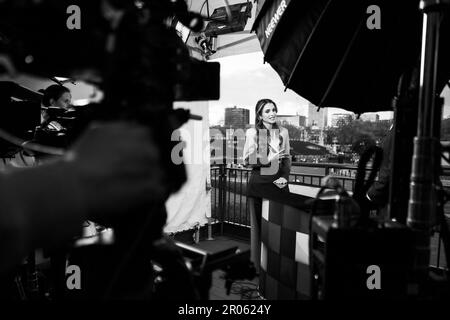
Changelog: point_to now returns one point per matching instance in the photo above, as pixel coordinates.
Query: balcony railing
(229, 188)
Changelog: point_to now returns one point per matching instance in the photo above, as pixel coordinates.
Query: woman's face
(269, 113)
(63, 102)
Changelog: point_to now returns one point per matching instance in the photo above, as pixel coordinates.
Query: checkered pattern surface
(284, 273)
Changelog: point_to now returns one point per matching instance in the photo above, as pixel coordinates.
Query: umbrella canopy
(326, 51)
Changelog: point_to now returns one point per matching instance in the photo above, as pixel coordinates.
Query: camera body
(137, 59)
(360, 262)
(18, 117)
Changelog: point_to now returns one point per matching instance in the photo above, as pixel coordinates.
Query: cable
(245, 289)
(227, 8)
(200, 12)
(190, 31)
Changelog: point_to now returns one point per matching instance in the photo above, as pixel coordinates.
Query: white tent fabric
(191, 206)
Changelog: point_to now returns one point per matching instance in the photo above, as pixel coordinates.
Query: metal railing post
(222, 194)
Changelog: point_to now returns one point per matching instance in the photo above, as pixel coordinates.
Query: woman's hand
(280, 182)
(272, 156)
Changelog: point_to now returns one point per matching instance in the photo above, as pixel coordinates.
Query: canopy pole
(423, 188)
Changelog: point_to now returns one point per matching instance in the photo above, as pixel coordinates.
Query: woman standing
(267, 151)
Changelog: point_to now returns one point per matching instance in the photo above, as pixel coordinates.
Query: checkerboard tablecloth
(284, 273)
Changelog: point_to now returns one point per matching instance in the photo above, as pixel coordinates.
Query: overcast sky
(245, 80)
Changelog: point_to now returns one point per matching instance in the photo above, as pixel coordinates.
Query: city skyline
(369, 116)
(329, 121)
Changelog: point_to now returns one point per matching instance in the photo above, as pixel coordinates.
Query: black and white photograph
(220, 157)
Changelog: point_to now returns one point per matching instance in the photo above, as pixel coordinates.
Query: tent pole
(341, 63)
(306, 44)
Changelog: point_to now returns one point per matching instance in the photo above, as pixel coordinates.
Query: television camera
(131, 51)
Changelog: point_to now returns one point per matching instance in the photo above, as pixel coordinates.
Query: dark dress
(262, 186)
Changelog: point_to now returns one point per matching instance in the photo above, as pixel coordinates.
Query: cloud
(293, 107)
(240, 64)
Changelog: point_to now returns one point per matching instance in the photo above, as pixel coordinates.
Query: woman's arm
(285, 165)
(250, 148)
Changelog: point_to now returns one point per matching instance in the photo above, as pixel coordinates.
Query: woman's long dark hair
(258, 112)
(259, 126)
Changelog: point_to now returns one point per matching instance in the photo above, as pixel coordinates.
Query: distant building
(317, 118)
(388, 122)
(237, 117)
(298, 121)
(316, 136)
(340, 119)
(372, 117)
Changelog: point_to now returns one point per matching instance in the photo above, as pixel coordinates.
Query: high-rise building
(340, 119)
(372, 117)
(237, 117)
(317, 118)
(297, 120)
